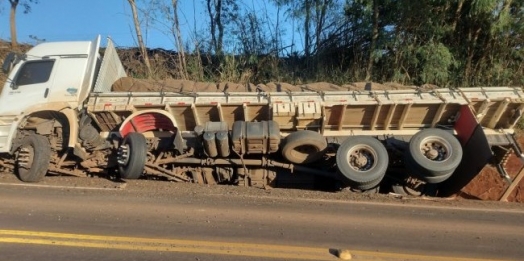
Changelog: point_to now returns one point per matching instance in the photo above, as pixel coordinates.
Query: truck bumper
(7, 125)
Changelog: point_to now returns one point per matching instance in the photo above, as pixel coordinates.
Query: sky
(67, 20)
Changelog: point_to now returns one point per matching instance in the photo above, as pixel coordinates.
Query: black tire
(367, 186)
(409, 185)
(424, 175)
(438, 179)
(303, 147)
(132, 156)
(404, 190)
(373, 190)
(373, 184)
(33, 157)
(447, 154)
(374, 160)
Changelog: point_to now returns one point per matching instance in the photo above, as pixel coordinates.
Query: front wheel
(32, 158)
(132, 156)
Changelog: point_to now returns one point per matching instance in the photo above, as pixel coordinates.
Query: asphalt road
(161, 221)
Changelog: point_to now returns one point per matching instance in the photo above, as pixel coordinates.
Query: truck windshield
(34, 72)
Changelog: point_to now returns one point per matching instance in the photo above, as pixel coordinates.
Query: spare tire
(434, 154)
(363, 161)
(303, 147)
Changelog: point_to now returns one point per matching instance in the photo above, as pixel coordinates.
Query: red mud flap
(477, 153)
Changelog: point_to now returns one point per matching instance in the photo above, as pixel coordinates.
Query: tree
(178, 39)
(221, 13)
(374, 38)
(12, 17)
(141, 45)
(214, 9)
(166, 15)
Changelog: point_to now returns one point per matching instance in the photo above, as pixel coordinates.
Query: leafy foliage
(441, 42)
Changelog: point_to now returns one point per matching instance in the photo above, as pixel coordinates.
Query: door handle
(46, 92)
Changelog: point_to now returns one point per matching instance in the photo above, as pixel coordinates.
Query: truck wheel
(425, 175)
(303, 147)
(407, 185)
(33, 157)
(363, 161)
(423, 189)
(433, 153)
(132, 156)
(438, 179)
(373, 190)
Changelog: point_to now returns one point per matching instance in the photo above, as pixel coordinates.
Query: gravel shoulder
(162, 189)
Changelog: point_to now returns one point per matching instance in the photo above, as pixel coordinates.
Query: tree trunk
(307, 21)
(212, 26)
(141, 45)
(180, 46)
(457, 14)
(220, 26)
(472, 46)
(214, 9)
(12, 21)
(374, 38)
(321, 9)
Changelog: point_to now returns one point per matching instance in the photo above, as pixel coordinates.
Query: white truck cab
(51, 76)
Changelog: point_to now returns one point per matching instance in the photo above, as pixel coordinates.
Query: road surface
(151, 220)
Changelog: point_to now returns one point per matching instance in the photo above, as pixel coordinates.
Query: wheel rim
(123, 154)
(25, 158)
(362, 158)
(435, 148)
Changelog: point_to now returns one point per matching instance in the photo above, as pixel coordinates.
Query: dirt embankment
(128, 84)
(489, 185)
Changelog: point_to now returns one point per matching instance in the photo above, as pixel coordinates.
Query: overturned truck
(59, 114)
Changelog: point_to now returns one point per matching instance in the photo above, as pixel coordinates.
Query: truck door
(31, 86)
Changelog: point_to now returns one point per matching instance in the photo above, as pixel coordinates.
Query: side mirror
(9, 62)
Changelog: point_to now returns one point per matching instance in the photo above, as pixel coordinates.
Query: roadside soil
(489, 185)
(163, 189)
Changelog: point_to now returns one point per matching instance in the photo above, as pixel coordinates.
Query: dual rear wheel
(432, 157)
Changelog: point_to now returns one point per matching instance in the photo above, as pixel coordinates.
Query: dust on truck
(58, 115)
